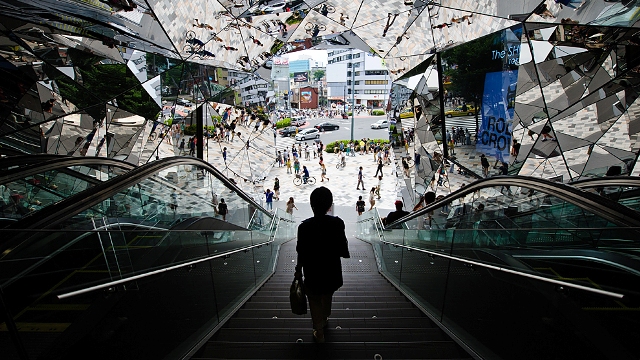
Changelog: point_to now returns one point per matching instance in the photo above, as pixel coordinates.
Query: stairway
(369, 317)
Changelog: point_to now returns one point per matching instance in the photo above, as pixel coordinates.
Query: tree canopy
(318, 75)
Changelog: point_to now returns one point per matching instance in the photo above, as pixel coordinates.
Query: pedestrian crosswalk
(466, 122)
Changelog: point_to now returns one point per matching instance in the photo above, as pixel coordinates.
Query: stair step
(335, 305)
(335, 335)
(336, 298)
(331, 350)
(284, 292)
(369, 317)
(360, 287)
(300, 322)
(338, 313)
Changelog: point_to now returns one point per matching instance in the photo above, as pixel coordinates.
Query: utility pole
(353, 97)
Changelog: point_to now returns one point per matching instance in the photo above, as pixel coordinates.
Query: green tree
(318, 75)
(467, 64)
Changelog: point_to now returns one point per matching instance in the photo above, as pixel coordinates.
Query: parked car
(380, 124)
(288, 131)
(461, 111)
(305, 134)
(298, 121)
(326, 126)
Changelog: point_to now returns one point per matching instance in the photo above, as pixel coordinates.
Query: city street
(362, 129)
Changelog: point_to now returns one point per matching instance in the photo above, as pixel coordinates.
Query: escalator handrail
(158, 271)
(58, 163)
(504, 269)
(607, 181)
(66, 208)
(606, 208)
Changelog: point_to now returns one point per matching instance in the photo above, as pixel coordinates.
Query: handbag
(297, 297)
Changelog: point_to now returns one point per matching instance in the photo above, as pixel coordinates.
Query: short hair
(321, 200)
(429, 197)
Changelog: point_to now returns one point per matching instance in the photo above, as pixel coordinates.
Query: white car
(305, 134)
(277, 6)
(183, 102)
(380, 124)
(298, 121)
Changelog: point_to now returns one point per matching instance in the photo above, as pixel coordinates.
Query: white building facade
(253, 89)
(371, 81)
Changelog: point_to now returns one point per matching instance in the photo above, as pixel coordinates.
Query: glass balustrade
(36, 191)
(524, 268)
(180, 290)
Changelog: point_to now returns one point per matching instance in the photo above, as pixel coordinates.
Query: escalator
(141, 266)
(509, 262)
(90, 239)
(623, 189)
(30, 183)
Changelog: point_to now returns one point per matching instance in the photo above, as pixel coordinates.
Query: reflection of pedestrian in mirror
(200, 25)
(545, 133)
(390, 19)
(255, 41)
(343, 18)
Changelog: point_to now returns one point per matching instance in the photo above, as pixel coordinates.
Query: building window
(375, 91)
(375, 72)
(376, 82)
(358, 82)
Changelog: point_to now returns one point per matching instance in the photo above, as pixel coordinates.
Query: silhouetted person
(395, 215)
(321, 244)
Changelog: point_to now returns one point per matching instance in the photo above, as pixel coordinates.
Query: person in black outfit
(321, 244)
(379, 170)
(395, 215)
(485, 165)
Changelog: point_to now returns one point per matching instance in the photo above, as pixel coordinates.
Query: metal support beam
(445, 149)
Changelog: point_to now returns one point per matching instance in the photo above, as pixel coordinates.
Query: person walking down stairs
(321, 243)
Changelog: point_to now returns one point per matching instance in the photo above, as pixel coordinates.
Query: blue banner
(498, 102)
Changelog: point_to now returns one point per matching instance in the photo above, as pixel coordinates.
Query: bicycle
(311, 26)
(297, 181)
(326, 9)
(341, 164)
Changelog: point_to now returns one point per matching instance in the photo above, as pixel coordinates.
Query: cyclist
(305, 174)
(343, 159)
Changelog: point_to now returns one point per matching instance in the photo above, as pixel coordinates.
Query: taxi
(471, 110)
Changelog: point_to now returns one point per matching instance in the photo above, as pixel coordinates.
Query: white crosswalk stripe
(466, 122)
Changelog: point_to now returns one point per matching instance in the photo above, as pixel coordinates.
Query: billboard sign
(306, 97)
(300, 77)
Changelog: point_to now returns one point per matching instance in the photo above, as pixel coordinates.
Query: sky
(316, 55)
